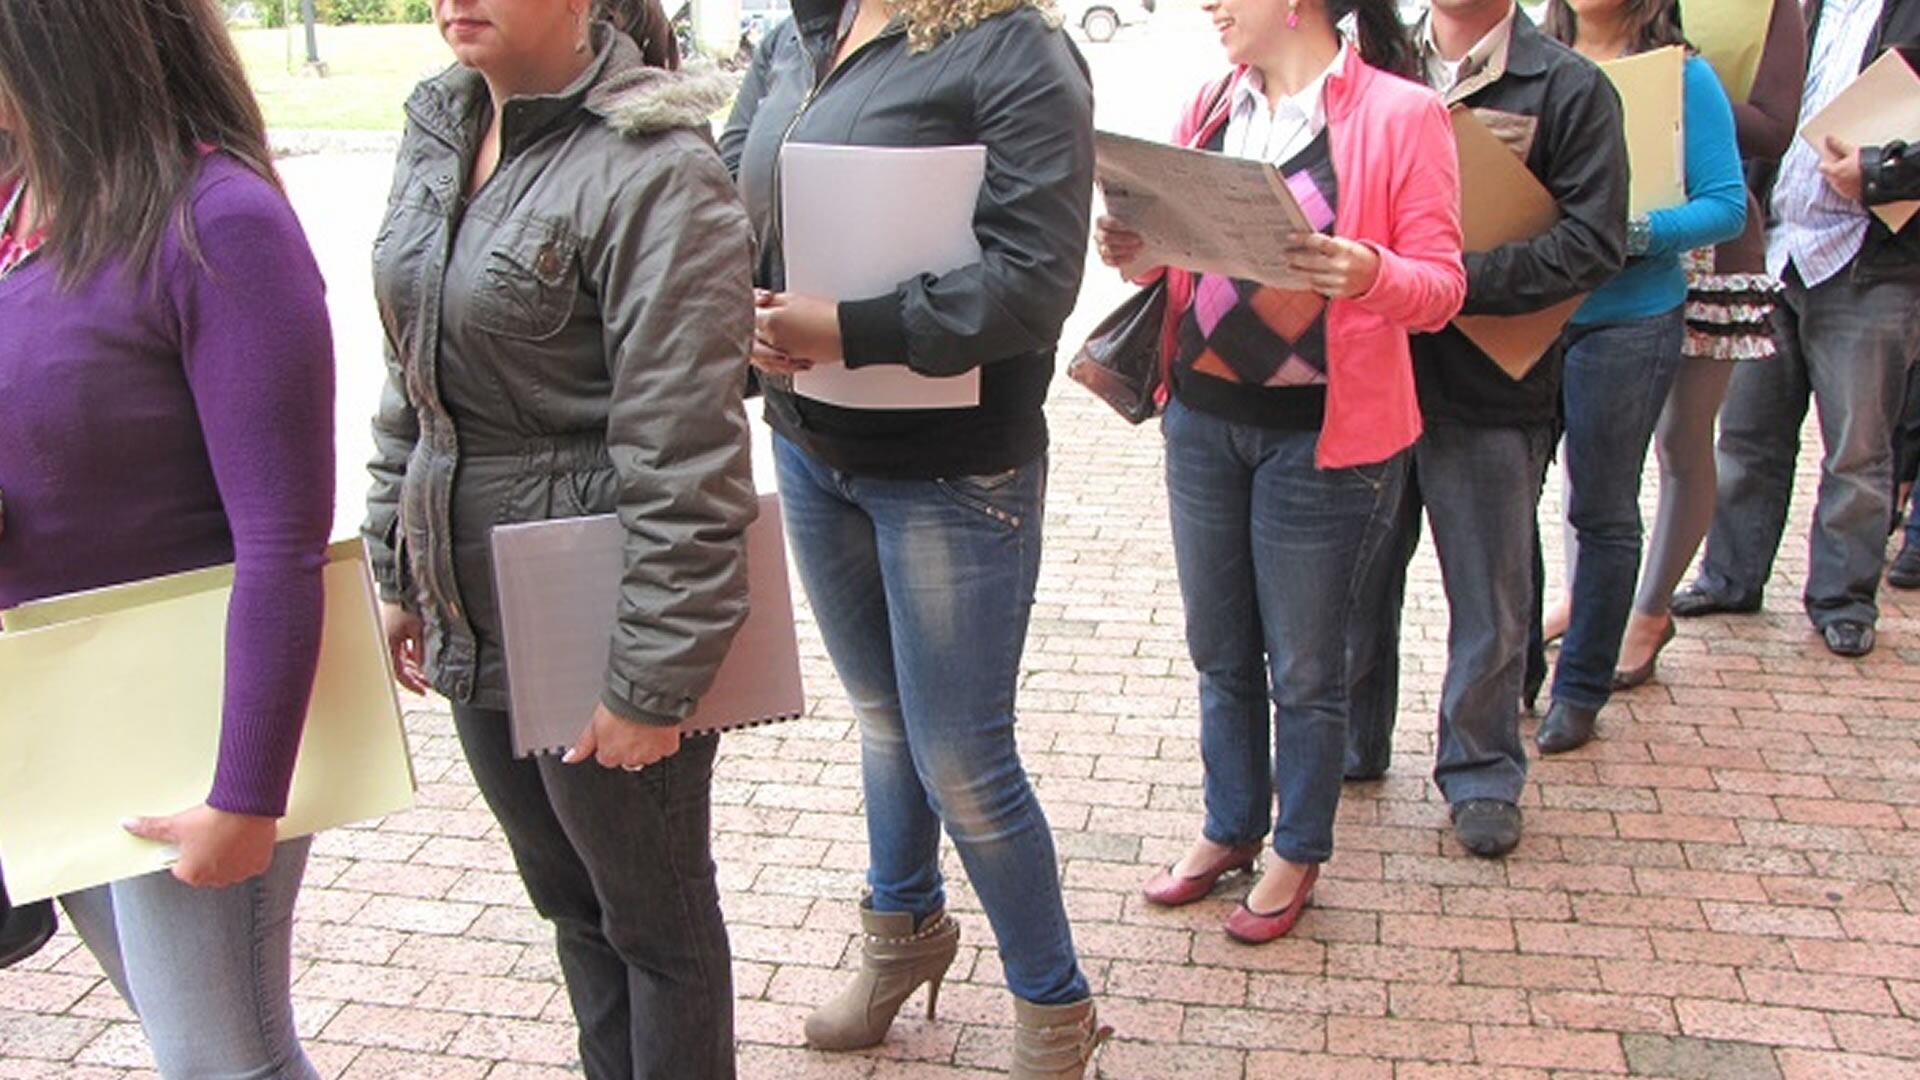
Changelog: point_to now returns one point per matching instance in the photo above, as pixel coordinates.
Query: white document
(1198, 210)
(112, 710)
(1880, 106)
(856, 221)
(559, 591)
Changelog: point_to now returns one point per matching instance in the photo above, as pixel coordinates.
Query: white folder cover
(856, 221)
(558, 584)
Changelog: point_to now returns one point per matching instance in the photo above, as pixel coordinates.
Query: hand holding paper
(803, 328)
(1117, 244)
(1333, 266)
(1198, 210)
(1880, 106)
(618, 743)
(212, 848)
(1840, 164)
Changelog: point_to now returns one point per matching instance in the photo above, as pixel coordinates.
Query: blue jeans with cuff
(1271, 551)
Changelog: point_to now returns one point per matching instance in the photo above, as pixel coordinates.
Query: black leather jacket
(1012, 82)
(1567, 113)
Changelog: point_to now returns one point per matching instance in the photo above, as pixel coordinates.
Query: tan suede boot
(1055, 1042)
(895, 958)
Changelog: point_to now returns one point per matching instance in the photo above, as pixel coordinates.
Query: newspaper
(1198, 210)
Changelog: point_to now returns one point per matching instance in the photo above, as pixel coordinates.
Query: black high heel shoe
(1627, 680)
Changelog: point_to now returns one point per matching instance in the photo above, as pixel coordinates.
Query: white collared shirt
(1274, 134)
(1443, 74)
(1814, 228)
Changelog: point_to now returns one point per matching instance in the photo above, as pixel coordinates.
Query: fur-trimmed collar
(643, 100)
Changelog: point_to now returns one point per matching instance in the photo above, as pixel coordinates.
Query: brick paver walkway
(1726, 886)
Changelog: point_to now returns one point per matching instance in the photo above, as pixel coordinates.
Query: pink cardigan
(1393, 154)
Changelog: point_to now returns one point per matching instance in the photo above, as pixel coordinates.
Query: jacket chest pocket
(527, 286)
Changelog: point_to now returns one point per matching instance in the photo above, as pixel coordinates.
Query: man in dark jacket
(1847, 331)
(1479, 467)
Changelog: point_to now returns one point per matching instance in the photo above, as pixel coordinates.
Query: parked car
(759, 16)
(1101, 19)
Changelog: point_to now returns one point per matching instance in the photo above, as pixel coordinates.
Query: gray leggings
(1684, 442)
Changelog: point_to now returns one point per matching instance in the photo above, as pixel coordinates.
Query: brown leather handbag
(1121, 360)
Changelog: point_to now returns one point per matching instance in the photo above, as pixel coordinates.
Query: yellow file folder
(1731, 35)
(1652, 88)
(110, 709)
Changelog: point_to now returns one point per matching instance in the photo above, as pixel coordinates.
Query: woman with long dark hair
(166, 403)
(1291, 413)
(1623, 351)
(917, 532)
(564, 279)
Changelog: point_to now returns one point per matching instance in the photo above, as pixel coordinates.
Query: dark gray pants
(1480, 488)
(1847, 347)
(621, 864)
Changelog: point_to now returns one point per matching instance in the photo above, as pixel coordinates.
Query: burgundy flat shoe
(1250, 927)
(1168, 889)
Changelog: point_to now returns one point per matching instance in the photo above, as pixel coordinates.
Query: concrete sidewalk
(1726, 886)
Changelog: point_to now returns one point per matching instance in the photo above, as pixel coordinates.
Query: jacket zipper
(778, 228)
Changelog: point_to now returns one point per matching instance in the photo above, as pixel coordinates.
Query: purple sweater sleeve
(258, 354)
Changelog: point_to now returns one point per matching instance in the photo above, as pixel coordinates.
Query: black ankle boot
(1567, 727)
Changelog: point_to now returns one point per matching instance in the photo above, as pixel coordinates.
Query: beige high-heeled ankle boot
(1055, 1042)
(895, 958)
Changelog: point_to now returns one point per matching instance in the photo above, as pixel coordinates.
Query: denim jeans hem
(1303, 858)
(1229, 842)
(1460, 787)
(1855, 610)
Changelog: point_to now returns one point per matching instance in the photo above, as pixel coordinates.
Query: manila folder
(1652, 88)
(855, 222)
(112, 710)
(559, 590)
(1880, 106)
(1502, 203)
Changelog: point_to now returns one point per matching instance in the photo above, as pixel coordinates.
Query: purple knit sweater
(180, 418)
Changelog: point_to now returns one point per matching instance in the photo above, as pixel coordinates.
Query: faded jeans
(206, 970)
(1271, 551)
(1848, 346)
(923, 590)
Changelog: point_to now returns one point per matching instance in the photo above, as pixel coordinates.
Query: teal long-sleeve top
(1715, 211)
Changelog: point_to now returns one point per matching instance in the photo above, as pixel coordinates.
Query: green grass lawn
(370, 72)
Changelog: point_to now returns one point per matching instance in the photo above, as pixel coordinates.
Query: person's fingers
(585, 748)
(1839, 147)
(158, 829)
(772, 360)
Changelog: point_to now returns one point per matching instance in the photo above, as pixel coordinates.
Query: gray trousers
(1480, 489)
(1847, 346)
